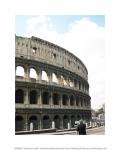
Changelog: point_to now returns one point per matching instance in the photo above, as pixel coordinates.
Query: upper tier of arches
(40, 50)
(43, 75)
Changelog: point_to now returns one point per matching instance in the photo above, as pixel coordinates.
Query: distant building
(99, 115)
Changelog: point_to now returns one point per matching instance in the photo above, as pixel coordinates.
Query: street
(96, 131)
(93, 131)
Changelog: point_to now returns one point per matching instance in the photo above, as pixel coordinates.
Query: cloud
(83, 38)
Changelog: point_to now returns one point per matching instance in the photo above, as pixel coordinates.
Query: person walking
(81, 128)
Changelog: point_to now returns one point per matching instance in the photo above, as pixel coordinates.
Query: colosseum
(51, 86)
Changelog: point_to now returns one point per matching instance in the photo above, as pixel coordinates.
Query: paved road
(96, 131)
(93, 131)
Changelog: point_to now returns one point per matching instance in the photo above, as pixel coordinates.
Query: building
(51, 86)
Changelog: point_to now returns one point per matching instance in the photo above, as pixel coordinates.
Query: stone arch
(65, 121)
(46, 122)
(72, 121)
(77, 101)
(19, 96)
(72, 100)
(83, 87)
(44, 76)
(33, 97)
(33, 73)
(20, 71)
(65, 99)
(56, 99)
(78, 117)
(79, 85)
(75, 83)
(63, 80)
(85, 102)
(19, 123)
(45, 98)
(54, 78)
(57, 122)
(33, 123)
(71, 84)
(81, 101)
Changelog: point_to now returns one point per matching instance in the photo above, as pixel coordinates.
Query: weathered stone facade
(58, 95)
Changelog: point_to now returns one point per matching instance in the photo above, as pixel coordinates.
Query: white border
(8, 10)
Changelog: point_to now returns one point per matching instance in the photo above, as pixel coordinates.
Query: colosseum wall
(52, 89)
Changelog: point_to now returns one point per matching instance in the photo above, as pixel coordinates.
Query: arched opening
(46, 122)
(45, 98)
(33, 123)
(63, 81)
(81, 100)
(19, 96)
(33, 73)
(83, 87)
(86, 116)
(72, 121)
(78, 117)
(33, 97)
(77, 101)
(54, 78)
(56, 99)
(20, 71)
(57, 122)
(19, 123)
(85, 102)
(65, 121)
(75, 83)
(83, 115)
(79, 85)
(44, 76)
(65, 99)
(72, 100)
(71, 83)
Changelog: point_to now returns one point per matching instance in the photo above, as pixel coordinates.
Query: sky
(84, 36)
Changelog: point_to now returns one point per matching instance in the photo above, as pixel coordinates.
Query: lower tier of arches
(28, 120)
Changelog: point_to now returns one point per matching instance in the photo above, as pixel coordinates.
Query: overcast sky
(81, 35)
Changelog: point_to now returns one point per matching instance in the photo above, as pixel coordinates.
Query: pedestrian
(81, 128)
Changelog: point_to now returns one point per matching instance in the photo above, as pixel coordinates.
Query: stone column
(75, 104)
(26, 123)
(51, 98)
(39, 75)
(61, 100)
(53, 124)
(77, 85)
(95, 124)
(61, 123)
(59, 79)
(81, 87)
(50, 77)
(83, 103)
(40, 124)
(40, 97)
(69, 100)
(27, 72)
(31, 126)
(90, 123)
(69, 126)
(26, 97)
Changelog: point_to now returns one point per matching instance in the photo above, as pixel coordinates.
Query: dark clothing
(81, 129)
